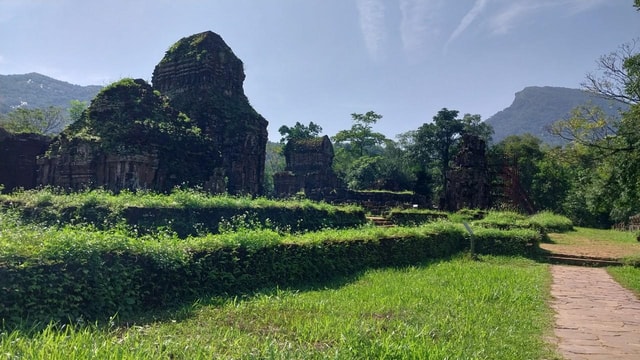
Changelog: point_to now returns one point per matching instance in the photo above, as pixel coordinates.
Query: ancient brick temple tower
(468, 177)
(194, 127)
(203, 78)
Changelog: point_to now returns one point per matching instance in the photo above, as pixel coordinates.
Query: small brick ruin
(194, 127)
(308, 169)
(18, 153)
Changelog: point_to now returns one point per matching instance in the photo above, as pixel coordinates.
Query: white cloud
(502, 22)
(372, 25)
(512, 14)
(420, 25)
(476, 10)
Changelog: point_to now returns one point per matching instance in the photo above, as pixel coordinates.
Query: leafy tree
(608, 185)
(274, 163)
(388, 170)
(361, 137)
(435, 143)
(522, 153)
(299, 131)
(584, 201)
(602, 160)
(552, 181)
(358, 151)
(587, 125)
(473, 125)
(76, 109)
(47, 121)
(619, 75)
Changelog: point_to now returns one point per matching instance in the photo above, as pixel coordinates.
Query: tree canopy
(433, 144)
(299, 131)
(47, 121)
(361, 137)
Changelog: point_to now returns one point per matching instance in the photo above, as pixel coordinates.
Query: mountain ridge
(34, 90)
(535, 108)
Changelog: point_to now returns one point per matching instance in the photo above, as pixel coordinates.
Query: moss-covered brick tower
(203, 79)
(128, 138)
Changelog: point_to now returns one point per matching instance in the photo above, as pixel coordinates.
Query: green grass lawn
(580, 235)
(627, 276)
(495, 308)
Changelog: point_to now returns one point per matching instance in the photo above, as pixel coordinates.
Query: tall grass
(491, 309)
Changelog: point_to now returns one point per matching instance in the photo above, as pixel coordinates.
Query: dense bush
(503, 220)
(507, 242)
(71, 273)
(550, 222)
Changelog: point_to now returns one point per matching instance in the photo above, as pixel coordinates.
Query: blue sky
(321, 60)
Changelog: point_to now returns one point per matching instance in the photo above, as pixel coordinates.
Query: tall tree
(47, 121)
(474, 125)
(433, 145)
(552, 181)
(361, 137)
(618, 75)
(366, 159)
(521, 153)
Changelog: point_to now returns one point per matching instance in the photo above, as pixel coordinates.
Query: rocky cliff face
(203, 78)
(536, 108)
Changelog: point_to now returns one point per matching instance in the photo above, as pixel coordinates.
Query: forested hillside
(34, 90)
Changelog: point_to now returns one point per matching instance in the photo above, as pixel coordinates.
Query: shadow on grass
(185, 308)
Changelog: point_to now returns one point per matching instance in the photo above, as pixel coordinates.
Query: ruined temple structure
(128, 138)
(194, 127)
(309, 169)
(468, 183)
(18, 153)
(506, 190)
(203, 78)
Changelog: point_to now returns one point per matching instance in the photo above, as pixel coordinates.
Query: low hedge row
(188, 221)
(507, 242)
(415, 217)
(544, 222)
(92, 274)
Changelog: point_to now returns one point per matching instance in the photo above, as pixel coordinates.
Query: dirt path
(596, 318)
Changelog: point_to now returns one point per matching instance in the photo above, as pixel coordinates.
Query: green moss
(195, 47)
(130, 117)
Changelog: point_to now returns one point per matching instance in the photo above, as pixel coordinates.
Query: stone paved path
(596, 318)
